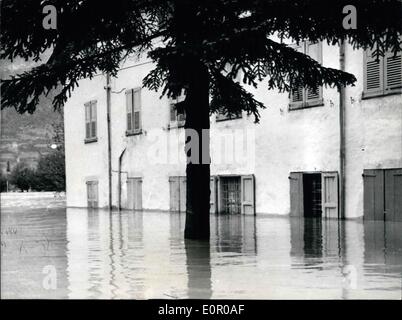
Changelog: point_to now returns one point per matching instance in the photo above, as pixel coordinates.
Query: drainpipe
(109, 142)
(342, 158)
(119, 176)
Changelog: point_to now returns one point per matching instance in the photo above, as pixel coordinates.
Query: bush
(50, 174)
(3, 183)
(23, 178)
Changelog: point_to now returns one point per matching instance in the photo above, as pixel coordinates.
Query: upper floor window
(133, 105)
(176, 118)
(302, 97)
(90, 121)
(383, 75)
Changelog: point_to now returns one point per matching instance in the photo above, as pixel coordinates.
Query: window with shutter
(393, 71)
(93, 119)
(87, 121)
(129, 106)
(307, 97)
(383, 74)
(133, 105)
(177, 119)
(90, 121)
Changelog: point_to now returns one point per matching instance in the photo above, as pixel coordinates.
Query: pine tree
(200, 39)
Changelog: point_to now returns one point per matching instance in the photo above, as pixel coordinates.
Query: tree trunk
(198, 172)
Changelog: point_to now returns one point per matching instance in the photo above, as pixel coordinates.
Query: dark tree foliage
(3, 182)
(95, 36)
(195, 44)
(23, 177)
(50, 173)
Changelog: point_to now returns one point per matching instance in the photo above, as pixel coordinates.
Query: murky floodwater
(142, 255)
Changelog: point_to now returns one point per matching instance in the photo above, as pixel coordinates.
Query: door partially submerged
(232, 194)
(382, 190)
(314, 194)
(177, 191)
(134, 193)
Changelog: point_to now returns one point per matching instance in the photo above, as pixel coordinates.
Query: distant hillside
(25, 137)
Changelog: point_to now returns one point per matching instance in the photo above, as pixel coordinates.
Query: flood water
(142, 255)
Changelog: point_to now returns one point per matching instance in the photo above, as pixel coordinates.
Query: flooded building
(320, 152)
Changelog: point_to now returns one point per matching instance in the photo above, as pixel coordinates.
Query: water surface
(142, 255)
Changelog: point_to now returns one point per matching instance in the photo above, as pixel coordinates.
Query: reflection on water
(143, 255)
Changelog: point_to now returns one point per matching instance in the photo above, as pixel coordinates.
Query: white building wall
(285, 141)
(85, 161)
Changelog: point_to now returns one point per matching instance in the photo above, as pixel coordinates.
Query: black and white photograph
(201, 150)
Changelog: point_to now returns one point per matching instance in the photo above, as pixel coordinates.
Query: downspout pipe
(119, 177)
(342, 149)
(109, 139)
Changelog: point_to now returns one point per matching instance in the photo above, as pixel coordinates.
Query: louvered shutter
(87, 120)
(129, 107)
(392, 70)
(373, 74)
(137, 110)
(297, 94)
(93, 119)
(314, 50)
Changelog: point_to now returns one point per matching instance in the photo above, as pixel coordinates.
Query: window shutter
(248, 195)
(87, 120)
(296, 194)
(314, 50)
(212, 197)
(137, 109)
(93, 119)
(296, 94)
(373, 194)
(329, 182)
(373, 74)
(393, 70)
(129, 107)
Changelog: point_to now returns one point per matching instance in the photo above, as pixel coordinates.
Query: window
(176, 118)
(133, 104)
(307, 97)
(90, 122)
(92, 194)
(383, 75)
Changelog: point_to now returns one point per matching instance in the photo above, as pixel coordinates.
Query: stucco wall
(283, 141)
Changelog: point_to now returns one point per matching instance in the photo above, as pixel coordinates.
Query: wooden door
(373, 194)
(329, 181)
(393, 195)
(248, 195)
(296, 194)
